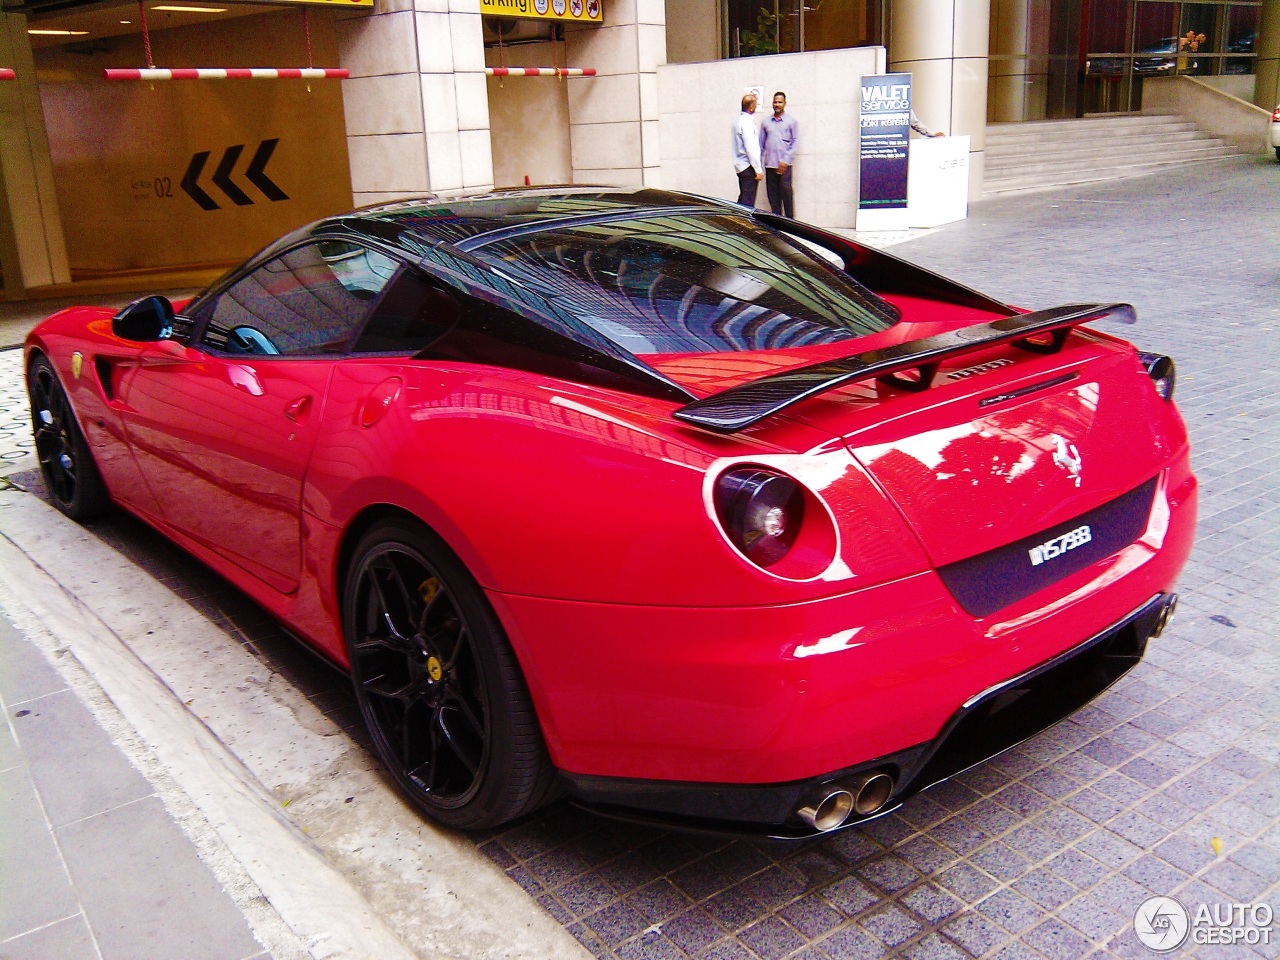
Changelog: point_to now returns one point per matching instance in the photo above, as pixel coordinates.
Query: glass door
(1065, 19)
(1130, 42)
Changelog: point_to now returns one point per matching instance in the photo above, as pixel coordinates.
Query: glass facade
(1048, 59)
(1131, 41)
(791, 26)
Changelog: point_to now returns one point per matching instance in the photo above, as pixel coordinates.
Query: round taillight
(761, 512)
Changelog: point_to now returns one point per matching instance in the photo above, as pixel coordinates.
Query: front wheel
(437, 682)
(66, 464)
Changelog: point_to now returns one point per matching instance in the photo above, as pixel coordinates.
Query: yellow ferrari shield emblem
(77, 361)
(434, 669)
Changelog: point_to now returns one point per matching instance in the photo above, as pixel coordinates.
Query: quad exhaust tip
(1165, 615)
(829, 811)
(873, 793)
(834, 805)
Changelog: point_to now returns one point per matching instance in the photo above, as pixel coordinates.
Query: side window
(414, 313)
(308, 301)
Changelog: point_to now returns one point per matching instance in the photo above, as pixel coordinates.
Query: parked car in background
(1275, 131)
(1157, 66)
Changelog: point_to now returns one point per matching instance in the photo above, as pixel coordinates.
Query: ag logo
(1161, 923)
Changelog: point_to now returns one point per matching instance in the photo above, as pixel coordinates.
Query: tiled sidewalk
(94, 867)
(15, 418)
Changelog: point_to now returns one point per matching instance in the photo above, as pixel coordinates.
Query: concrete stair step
(1030, 183)
(1153, 154)
(1118, 146)
(1106, 122)
(1085, 130)
(1090, 136)
(1049, 153)
(1148, 153)
(1067, 173)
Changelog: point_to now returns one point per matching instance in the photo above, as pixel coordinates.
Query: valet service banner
(884, 121)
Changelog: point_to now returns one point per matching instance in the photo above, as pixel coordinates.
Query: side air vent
(104, 369)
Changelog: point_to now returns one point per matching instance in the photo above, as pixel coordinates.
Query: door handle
(298, 409)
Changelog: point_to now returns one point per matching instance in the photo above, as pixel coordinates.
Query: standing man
(746, 153)
(778, 137)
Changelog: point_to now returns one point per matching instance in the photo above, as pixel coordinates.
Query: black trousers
(747, 187)
(778, 187)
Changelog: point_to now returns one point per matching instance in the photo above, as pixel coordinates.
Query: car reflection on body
(685, 511)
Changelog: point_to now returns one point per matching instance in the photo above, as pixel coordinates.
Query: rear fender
(555, 490)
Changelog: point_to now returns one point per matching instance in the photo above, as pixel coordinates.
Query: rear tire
(1278, 154)
(66, 463)
(437, 682)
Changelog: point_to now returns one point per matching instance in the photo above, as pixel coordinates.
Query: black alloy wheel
(67, 465)
(438, 685)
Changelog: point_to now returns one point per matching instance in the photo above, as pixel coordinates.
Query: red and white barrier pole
(540, 71)
(228, 73)
(7, 74)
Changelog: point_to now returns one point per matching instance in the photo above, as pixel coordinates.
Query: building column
(32, 250)
(943, 44)
(417, 107)
(1266, 89)
(613, 116)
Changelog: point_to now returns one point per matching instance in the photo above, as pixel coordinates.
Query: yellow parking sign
(327, 3)
(587, 11)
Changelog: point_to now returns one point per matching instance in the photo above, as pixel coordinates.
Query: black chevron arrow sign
(189, 182)
(255, 173)
(258, 164)
(222, 177)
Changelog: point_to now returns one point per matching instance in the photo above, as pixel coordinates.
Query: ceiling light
(126, 21)
(174, 8)
(58, 33)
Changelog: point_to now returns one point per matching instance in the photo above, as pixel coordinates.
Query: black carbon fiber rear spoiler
(1043, 331)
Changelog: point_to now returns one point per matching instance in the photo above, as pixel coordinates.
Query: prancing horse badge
(1067, 457)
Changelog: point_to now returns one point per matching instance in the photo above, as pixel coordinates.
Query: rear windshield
(693, 283)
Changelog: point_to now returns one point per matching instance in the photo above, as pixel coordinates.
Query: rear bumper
(983, 727)
(748, 699)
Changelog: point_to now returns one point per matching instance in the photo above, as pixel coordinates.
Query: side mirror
(144, 321)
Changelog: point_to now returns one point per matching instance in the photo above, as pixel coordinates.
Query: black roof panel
(454, 219)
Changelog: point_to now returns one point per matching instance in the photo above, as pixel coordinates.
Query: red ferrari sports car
(686, 511)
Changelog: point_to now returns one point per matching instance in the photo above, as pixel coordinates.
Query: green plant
(763, 39)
